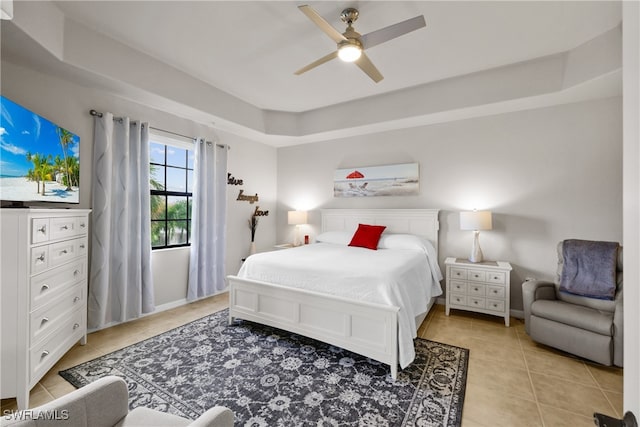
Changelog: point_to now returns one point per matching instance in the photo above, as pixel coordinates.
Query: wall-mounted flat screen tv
(39, 160)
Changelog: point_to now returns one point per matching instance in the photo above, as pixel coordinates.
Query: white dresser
(43, 293)
(482, 287)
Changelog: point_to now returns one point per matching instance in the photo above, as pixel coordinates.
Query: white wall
(547, 175)
(68, 105)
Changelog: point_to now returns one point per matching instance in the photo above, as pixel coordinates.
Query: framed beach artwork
(388, 180)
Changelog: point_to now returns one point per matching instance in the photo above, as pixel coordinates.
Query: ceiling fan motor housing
(349, 15)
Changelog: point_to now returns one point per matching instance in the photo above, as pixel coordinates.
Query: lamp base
(476, 252)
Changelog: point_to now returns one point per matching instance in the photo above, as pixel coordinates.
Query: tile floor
(512, 381)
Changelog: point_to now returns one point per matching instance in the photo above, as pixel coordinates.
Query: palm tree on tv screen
(66, 140)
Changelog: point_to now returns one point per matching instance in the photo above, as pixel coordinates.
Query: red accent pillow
(367, 236)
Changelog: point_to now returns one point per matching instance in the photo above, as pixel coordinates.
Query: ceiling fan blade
(314, 64)
(382, 35)
(367, 66)
(335, 35)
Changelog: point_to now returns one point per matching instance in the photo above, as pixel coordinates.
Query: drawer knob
(44, 320)
(76, 299)
(475, 302)
(475, 289)
(475, 275)
(75, 326)
(45, 287)
(44, 354)
(82, 225)
(82, 246)
(62, 252)
(64, 227)
(495, 277)
(76, 272)
(40, 258)
(43, 229)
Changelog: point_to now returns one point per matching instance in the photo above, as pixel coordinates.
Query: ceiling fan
(351, 44)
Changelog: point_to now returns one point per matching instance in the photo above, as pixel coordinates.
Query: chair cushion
(145, 417)
(574, 315)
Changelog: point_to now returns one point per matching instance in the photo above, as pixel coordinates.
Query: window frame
(166, 194)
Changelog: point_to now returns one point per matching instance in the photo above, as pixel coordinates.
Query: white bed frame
(362, 327)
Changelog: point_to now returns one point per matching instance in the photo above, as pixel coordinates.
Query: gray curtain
(120, 286)
(208, 240)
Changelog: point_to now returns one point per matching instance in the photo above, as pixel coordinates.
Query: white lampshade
(297, 217)
(475, 220)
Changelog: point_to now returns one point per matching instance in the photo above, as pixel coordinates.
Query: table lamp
(297, 218)
(476, 221)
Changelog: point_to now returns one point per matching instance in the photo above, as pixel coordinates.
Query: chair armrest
(102, 403)
(218, 416)
(533, 290)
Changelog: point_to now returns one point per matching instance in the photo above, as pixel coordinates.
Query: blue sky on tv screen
(22, 132)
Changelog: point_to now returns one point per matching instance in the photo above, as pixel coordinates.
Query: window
(171, 181)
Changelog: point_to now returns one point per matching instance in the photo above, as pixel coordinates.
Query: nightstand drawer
(477, 276)
(458, 299)
(458, 287)
(477, 290)
(496, 277)
(476, 302)
(495, 305)
(459, 273)
(495, 291)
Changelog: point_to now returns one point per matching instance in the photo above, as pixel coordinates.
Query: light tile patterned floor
(512, 381)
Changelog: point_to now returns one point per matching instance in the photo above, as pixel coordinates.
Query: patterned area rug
(270, 377)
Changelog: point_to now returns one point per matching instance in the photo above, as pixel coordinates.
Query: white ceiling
(251, 49)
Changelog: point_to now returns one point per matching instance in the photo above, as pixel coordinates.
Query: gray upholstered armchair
(105, 403)
(587, 327)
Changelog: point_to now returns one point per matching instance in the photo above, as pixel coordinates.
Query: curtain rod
(99, 114)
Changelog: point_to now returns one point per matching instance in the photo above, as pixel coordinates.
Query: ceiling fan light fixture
(349, 52)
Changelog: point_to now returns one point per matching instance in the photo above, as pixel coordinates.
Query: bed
(288, 290)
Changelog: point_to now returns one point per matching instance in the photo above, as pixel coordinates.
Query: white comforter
(405, 278)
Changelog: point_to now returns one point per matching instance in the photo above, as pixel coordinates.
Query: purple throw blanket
(589, 268)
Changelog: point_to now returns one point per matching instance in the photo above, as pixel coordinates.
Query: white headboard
(421, 222)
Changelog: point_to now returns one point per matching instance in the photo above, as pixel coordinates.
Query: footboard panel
(364, 328)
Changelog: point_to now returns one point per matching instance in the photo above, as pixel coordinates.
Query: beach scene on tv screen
(39, 160)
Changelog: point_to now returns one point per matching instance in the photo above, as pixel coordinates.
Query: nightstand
(483, 287)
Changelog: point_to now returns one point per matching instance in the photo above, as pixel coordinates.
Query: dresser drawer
(61, 252)
(39, 230)
(39, 259)
(476, 302)
(64, 227)
(459, 273)
(458, 299)
(458, 287)
(45, 354)
(495, 291)
(49, 285)
(52, 315)
(495, 305)
(496, 277)
(477, 276)
(475, 289)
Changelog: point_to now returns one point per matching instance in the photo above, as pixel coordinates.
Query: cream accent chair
(105, 403)
(587, 327)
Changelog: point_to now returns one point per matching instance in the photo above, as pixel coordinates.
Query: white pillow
(401, 241)
(335, 237)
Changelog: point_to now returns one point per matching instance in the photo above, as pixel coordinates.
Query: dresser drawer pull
(45, 287)
(476, 275)
(475, 302)
(82, 225)
(43, 229)
(44, 320)
(82, 246)
(64, 227)
(76, 272)
(495, 305)
(62, 252)
(76, 299)
(496, 278)
(40, 258)
(495, 291)
(475, 289)
(44, 354)
(76, 326)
